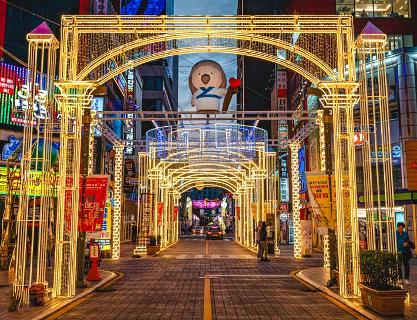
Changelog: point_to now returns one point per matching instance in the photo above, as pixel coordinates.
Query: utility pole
(329, 171)
(81, 242)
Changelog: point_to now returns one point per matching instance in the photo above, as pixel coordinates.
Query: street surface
(199, 279)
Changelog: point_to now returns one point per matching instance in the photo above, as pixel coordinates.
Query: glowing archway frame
(320, 48)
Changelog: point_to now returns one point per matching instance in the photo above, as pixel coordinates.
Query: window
(152, 83)
(397, 41)
(374, 8)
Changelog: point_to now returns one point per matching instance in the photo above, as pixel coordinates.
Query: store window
(398, 41)
(374, 8)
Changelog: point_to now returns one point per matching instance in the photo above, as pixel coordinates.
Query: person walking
(134, 232)
(262, 239)
(257, 239)
(404, 246)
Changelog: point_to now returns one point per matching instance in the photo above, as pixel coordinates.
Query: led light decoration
(203, 204)
(90, 56)
(295, 184)
(36, 155)
(374, 112)
(117, 213)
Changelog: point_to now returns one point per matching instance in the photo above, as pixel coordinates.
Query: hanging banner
(306, 238)
(254, 210)
(91, 212)
(103, 237)
(175, 213)
(146, 211)
(319, 194)
(238, 212)
(160, 210)
(90, 215)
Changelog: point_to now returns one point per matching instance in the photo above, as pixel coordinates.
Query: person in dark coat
(263, 241)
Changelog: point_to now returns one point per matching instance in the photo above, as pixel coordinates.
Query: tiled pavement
(320, 276)
(168, 288)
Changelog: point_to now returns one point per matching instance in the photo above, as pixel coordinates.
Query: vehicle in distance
(215, 232)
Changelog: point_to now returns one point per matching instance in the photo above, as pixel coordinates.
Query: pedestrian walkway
(50, 306)
(165, 287)
(318, 277)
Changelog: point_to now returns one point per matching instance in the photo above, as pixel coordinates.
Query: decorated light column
(295, 186)
(118, 186)
(73, 97)
(374, 112)
(341, 98)
(38, 113)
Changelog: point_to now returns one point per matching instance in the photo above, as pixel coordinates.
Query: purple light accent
(202, 204)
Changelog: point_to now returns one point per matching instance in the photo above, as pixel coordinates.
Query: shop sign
(302, 169)
(283, 207)
(395, 154)
(35, 182)
(359, 138)
(130, 172)
(284, 186)
(40, 110)
(6, 85)
(97, 104)
(130, 82)
(411, 165)
(283, 217)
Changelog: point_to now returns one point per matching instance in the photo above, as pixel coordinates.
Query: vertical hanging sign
(91, 212)
(160, 210)
(146, 210)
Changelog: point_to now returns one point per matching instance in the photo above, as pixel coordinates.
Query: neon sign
(206, 204)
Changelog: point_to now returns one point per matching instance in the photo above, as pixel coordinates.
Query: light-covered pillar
(341, 98)
(73, 97)
(117, 213)
(374, 112)
(295, 186)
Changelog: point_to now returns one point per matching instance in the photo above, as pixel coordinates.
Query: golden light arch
(325, 46)
(278, 43)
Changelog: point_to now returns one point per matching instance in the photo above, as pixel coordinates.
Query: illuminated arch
(276, 42)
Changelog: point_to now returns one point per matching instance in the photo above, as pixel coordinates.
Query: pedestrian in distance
(404, 246)
(263, 241)
(257, 239)
(134, 232)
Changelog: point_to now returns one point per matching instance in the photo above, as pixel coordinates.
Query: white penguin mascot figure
(208, 85)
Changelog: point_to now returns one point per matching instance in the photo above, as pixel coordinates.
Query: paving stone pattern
(165, 287)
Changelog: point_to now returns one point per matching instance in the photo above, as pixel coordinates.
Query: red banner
(238, 212)
(159, 210)
(91, 212)
(175, 212)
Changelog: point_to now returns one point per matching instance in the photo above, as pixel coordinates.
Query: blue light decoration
(131, 7)
(302, 169)
(10, 147)
(155, 7)
(231, 142)
(152, 7)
